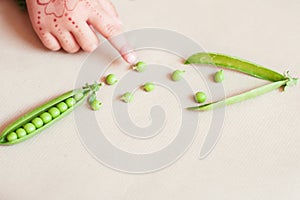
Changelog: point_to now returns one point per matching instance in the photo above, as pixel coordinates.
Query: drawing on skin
(58, 7)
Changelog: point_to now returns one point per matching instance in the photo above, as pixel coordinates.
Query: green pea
(200, 97)
(11, 137)
(70, 102)
(96, 105)
(78, 96)
(29, 127)
(46, 117)
(127, 97)
(21, 132)
(149, 87)
(219, 76)
(54, 112)
(111, 79)
(140, 67)
(37, 122)
(177, 75)
(62, 107)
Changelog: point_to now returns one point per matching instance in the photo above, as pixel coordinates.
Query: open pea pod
(76, 96)
(236, 64)
(242, 97)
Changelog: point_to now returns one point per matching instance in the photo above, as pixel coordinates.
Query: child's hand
(67, 24)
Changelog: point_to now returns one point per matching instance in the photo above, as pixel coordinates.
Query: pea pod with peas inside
(44, 116)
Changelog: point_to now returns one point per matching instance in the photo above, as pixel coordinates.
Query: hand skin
(70, 24)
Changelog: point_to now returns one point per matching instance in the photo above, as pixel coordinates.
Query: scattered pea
(11, 137)
(78, 96)
(127, 97)
(21, 132)
(177, 75)
(140, 67)
(96, 105)
(70, 102)
(29, 127)
(200, 97)
(111, 79)
(54, 112)
(219, 76)
(37, 122)
(148, 87)
(62, 107)
(46, 117)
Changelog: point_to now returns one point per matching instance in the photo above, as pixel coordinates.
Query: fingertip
(131, 58)
(50, 42)
(90, 48)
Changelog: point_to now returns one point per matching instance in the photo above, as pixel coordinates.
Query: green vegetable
(236, 64)
(39, 119)
(140, 67)
(70, 102)
(62, 107)
(96, 105)
(127, 97)
(177, 75)
(200, 97)
(21, 132)
(246, 67)
(78, 96)
(219, 76)
(12, 137)
(54, 112)
(29, 128)
(37, 122)
(46, 117)
(111, 79)
(244, 96)
(149, 87)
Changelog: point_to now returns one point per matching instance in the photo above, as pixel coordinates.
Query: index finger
(111, 29)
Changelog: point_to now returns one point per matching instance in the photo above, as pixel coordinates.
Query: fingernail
(131, 58)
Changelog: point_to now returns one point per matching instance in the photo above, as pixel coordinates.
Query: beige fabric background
(257, 157)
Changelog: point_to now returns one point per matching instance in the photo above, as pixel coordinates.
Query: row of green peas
(177, 75)
(44, 118)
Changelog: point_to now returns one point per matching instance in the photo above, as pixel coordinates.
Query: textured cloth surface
(256, 157)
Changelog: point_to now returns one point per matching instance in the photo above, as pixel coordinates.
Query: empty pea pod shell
(242, 97)
(236, 64)
(27, 118)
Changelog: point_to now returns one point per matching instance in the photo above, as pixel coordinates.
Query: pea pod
(242, 97)
(236, 64)
(8, 136)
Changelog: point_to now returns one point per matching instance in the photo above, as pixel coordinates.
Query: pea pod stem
(241, 97)
(236, 64)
